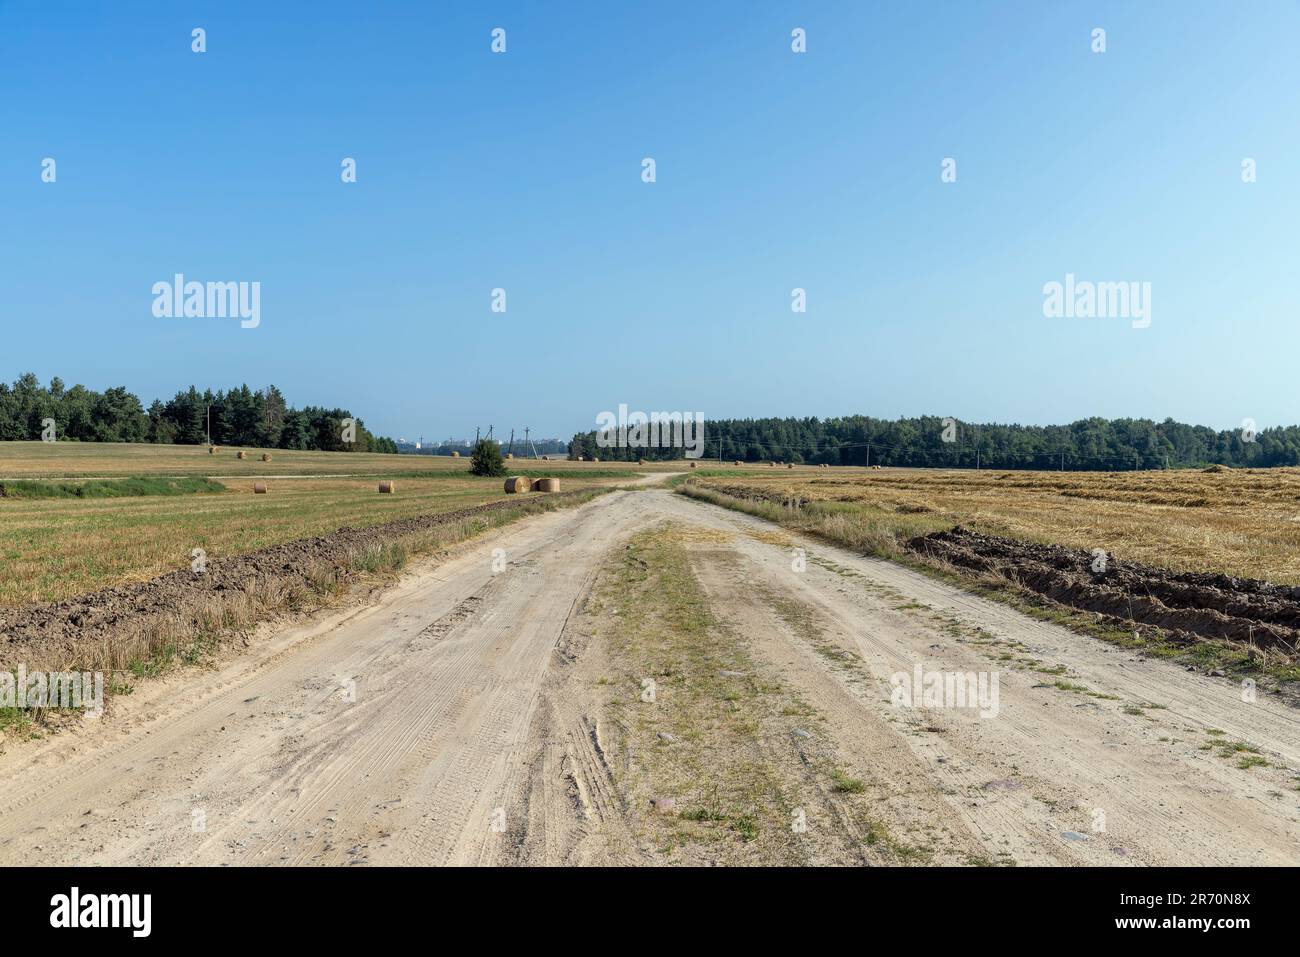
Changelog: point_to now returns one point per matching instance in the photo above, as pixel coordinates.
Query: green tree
(486, 459)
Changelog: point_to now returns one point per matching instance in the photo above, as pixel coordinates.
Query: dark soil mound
(1209, 606)
(67, 633)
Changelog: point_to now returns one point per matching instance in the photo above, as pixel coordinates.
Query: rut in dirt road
(473, 717)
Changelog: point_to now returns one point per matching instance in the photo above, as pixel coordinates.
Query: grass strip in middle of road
(729, 764)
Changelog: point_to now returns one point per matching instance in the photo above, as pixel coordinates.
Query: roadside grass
(378, 557)
(846, 784)
(867, 530)
(878, 534)
(17, 722)
(1247, 755)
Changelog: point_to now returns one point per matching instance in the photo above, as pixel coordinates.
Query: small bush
(487, 460)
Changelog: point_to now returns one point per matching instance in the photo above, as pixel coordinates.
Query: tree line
(1093, 444)
(239, 416)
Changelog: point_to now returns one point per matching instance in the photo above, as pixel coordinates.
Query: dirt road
(459, 720)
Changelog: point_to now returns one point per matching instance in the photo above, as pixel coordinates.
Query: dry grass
(1239, 522)
(151, 644)
(714, 734)
(52, 549)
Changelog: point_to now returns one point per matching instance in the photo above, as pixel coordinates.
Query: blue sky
(774, 171)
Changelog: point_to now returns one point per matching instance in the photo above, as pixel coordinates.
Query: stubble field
(53, 548)
(1243, 523)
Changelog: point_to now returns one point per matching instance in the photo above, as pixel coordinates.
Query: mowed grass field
(1243, 522)
(57, 548)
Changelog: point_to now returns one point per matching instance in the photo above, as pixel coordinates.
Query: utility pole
(209, 430)
(476, 435)
(512, 441)
(868, 455)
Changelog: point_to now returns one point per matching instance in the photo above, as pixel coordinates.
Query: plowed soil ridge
(60, 633)
(1190, 604)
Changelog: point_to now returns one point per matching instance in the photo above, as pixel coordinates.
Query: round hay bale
(737, 462)
(546, 458)
(266, 456)
(594, 459)
(693, 465)
(259, 488)
(387, 488)
(580, 458)
(509, 456)
(212, 450)
(517, 484)
(455, 455)
(546, 485)
(241, 454)
(790, 466)
(640, 461)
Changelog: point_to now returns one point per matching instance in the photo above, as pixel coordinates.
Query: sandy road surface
(1126, 788)
(393, 733)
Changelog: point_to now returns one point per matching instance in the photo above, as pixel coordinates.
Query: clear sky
(775, 170)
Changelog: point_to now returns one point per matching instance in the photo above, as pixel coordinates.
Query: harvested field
(63, 538)
(127, 625)
(1198, 566)
(1243, 523)
(25, 460)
